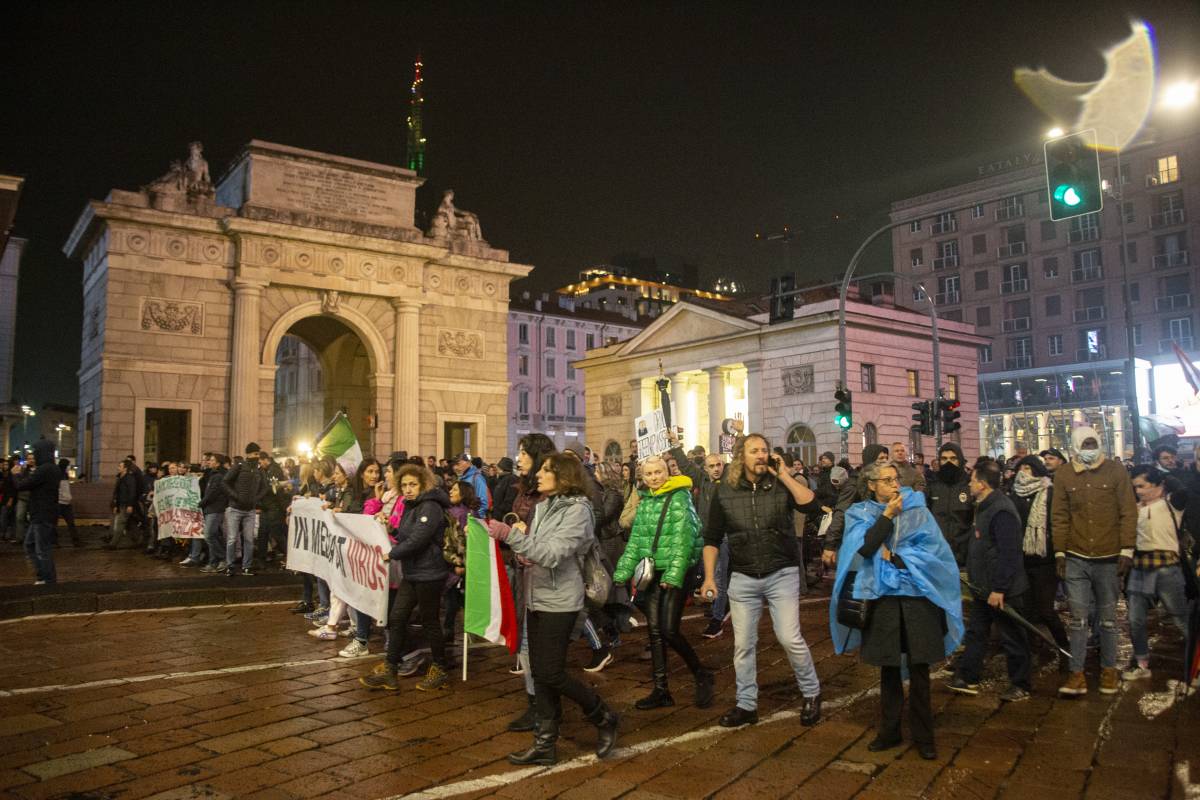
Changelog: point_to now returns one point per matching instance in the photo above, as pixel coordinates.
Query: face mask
(949, 473)
(1089, 456)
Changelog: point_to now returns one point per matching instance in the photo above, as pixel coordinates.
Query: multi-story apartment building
(618, 291)
(1050, 294)
(546, 336)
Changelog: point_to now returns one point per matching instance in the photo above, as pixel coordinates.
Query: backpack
(597, 582)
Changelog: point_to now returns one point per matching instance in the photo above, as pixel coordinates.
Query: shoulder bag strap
(662, 517)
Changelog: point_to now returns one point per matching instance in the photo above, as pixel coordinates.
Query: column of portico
(679, 390)
(244, 373)
(716, 407)
(755, 413)
(406, 416)
(636, 399)
(1009, 435)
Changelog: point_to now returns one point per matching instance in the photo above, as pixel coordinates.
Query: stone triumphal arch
(190, 286)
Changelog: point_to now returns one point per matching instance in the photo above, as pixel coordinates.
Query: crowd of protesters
(908, 541)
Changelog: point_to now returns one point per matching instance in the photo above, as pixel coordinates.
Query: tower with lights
(416, 126)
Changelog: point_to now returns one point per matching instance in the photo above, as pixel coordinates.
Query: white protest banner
(345, 550)
(177, 505)
(651, 433)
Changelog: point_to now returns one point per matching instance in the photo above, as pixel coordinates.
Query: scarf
(1035, 526)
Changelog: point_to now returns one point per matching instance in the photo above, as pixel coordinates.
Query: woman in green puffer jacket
(678, 550)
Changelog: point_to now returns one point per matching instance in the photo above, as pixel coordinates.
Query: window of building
(1084, 228)
(947, 254)
(867, 376)
(1021, 347)
(1091, 344)
(570, 340)
(916, 256)
(1053, 305)
(1049, 230)
(949, 291)
(985, 354)
(522, 365)
(956, 315)
(1137, 335)
(523, 402)
(1050, 267)
(979, 244)
(801, 443)
(612, 453)
(983, 317)
(1135, 293)
(1015, 278)
(1054, 344)
(550, 366)
(870, 434)
(551, 404)
(1178, 330)
(550, 337)
(952, 387)
(946, 222)
(1128, 210)
(523, 333)
(1166, 170)
(977, 211)
(914, 226)
(918, 294)
(1131, 252)
(981, 280)
(914, 382)
(571, 405)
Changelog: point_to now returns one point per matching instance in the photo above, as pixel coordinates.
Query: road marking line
(508, 778)
(113, 612)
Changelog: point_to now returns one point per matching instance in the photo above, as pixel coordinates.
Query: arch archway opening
(801, 443)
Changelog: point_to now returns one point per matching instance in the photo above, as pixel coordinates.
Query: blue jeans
(1088, 582)
(781, 590)
(720, 606)
(243, 525)
(39, 546)
(1168, 584)
(214, 525)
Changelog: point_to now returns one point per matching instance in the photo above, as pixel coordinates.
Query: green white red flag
(489, 608)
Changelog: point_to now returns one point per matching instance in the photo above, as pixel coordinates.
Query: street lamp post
(28, 412)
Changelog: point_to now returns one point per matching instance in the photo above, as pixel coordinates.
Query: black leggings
(549, 633)
(664, 609)
(891, 702)
(427, 595)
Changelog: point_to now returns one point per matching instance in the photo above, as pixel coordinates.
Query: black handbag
(851, 611)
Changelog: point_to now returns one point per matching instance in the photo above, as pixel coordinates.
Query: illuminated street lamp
(1055, 133)
(28, 412)
(59, 428)
(1181, 94)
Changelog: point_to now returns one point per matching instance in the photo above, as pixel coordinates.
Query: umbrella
(1012, 614)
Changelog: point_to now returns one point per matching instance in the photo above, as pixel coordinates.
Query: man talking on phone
(752, 510)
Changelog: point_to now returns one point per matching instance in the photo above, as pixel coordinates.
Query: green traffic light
(1067, 195)
(842, 421)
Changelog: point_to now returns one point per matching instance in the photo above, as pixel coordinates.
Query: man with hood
(949, 498)
(466, 470)
(42, 485)
(1094, 517)
(852, 491)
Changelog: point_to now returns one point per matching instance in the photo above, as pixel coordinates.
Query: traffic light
(1073, 175)
(948, 410)
(843, 411)
(783, 302)
(923, 417)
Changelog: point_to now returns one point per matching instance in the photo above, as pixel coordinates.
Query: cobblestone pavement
(238, 702)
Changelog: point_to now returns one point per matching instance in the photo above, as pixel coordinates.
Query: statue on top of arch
(448, 221)
(188, 177)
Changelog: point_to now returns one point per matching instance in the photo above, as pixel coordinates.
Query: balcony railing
(944, 226)
(1088, 234)
(1174, 302)
(1010, 212)
(1162, 178)
(1166, 218)
(1010, 250)
(947, 298)
(1089, 314)
(1087, 354)
(945, 261)
(1014, 286)
(1014, 325)
(1018, 362)
(1178, 258)
(1184, 342)
(1080, 274)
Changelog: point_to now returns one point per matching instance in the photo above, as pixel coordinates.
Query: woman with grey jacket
(551, 549)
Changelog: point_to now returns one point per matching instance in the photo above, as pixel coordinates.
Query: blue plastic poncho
(932, 572)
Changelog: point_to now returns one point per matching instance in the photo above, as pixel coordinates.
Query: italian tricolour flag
(490, 612)
(339, 443)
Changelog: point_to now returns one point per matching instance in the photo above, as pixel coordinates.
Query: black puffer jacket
(420, 536)
(757, 520)
(42, 484)
(214, 500)
(246, 486)
(950, 503)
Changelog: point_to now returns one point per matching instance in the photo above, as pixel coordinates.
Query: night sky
(575, 135)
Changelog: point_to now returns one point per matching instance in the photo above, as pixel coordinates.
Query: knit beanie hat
(871, 452)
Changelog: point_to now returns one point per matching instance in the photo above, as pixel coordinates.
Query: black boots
(704, 688)
(606, 727)
(810, 710)
(525, 721)
(658, 698)
(544, 750)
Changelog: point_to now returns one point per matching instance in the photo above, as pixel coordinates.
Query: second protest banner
(345, 550)
(177, 506)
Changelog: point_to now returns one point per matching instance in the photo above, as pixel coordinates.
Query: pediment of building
(686, 324)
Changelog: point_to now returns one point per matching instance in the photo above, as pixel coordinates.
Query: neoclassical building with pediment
(190, 286)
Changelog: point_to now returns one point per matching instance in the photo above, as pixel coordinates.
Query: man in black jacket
(995, 566)
(42, 485)
(949, 498)
(753, 510)
(213, 503)
(505, 490)
(246, 488)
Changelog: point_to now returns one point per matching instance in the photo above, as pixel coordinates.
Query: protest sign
(345, 550)
(177, 506)
(651, 433)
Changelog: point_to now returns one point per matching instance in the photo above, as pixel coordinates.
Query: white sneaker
(354, 650)
(187, 562)
(1136, 673)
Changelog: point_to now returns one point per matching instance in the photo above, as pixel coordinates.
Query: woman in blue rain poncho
(896, 557)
